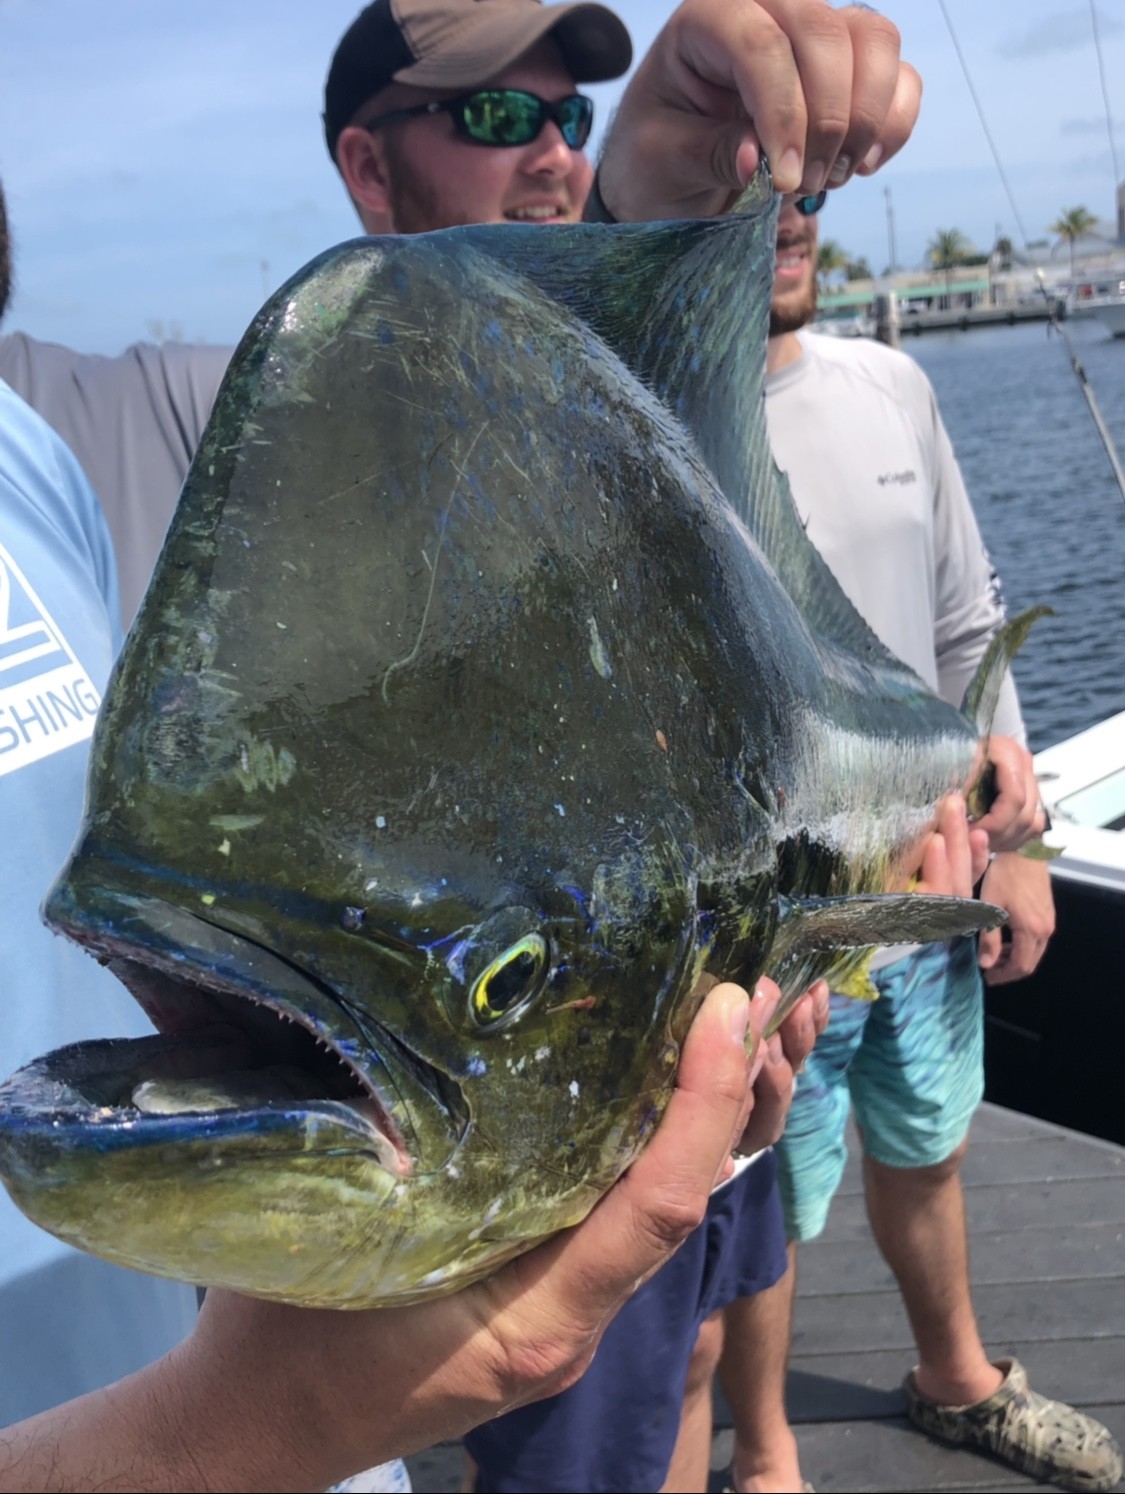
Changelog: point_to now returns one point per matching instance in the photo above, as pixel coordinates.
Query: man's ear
(362, 164)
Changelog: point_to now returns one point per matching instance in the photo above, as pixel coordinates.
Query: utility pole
(891, 230)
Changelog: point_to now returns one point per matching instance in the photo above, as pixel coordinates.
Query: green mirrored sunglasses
(506, 116)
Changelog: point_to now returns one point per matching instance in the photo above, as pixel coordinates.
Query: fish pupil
(508, 984)
(510, 981)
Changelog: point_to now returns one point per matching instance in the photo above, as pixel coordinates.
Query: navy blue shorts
(617, 1427)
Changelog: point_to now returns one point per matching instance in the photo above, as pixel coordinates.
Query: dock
(964, 319)
(1046, 1210)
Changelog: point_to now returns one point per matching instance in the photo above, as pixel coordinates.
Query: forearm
(118, 1438)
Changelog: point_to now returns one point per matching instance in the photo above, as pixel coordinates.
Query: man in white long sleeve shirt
(856, 427)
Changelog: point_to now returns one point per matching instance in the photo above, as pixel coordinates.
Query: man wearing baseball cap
(417, 87)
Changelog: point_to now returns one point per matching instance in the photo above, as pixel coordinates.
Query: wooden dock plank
(1069, 1309)
(1028, 1159)
(1011, 1207)
(1059, 1252)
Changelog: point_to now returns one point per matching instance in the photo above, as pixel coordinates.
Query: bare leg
(752, 1371)
(918, 1217)
(690, 1467)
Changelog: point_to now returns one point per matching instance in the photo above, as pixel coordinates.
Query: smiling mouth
(546, 213)
(791, 256)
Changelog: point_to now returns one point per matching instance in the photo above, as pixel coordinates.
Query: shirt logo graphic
(46, 699)
(897, 477)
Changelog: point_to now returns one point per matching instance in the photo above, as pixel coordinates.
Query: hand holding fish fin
(817, 90)
(1014, 811)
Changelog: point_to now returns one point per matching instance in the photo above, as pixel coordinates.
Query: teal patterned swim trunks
(911, 1063)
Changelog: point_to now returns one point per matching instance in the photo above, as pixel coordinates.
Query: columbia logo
(46, 699)
(897, 477)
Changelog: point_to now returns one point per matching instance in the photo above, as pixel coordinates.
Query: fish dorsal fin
(685, 306)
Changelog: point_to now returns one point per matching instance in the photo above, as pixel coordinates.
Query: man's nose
(549, 152)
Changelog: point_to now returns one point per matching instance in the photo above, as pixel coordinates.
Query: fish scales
(486, 705)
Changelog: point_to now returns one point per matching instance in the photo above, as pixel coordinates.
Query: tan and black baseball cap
(462, 44)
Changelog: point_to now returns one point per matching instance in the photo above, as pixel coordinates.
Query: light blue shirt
(68, 1323)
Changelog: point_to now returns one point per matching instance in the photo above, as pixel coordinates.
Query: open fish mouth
(268, 1138)
(249, 1044)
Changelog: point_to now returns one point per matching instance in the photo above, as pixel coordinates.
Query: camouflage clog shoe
(1047, 1440)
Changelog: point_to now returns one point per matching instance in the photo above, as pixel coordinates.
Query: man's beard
(416, 206)
(5, 257)
(794, 312)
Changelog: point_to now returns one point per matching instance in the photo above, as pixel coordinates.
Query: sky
(165, 168)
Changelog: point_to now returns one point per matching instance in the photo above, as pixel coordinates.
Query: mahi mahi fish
(487, 704)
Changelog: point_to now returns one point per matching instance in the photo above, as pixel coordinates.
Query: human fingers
(663, 1195)
(990, 949)
(844, 99)
(773, 1095)
(1015, 813)
(953, 824)
(763, 1009)
(798, 1032)
(821, 1009)
(1017, 959)
(1023, 888)
(796, 87)
(947, 859)
(886, 95)
(722, 82)
(683, 141)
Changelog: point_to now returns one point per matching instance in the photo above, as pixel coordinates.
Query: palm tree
(945, 251)
(1071, 224)
(830, 258)
(1002, 252)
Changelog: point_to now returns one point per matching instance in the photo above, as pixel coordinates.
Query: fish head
(414, 836)
(420, 1086)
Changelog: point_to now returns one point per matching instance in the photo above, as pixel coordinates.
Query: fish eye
(510, 981)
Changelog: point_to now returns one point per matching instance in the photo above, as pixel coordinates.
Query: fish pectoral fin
(867, 919)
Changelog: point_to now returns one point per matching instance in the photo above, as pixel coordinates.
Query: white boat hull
(1053, 1042)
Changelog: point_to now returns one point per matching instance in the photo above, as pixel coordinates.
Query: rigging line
(983, 121)
(1053, 319)
(1105, 90)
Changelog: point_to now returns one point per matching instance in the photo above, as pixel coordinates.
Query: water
(1047, 502)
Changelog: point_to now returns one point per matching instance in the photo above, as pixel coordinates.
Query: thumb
(988, 948)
